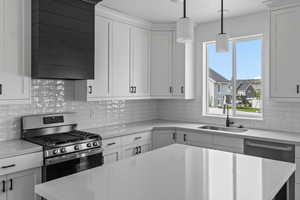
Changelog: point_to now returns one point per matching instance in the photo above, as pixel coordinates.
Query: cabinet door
(98, 87)
(197, 139)
(21, 185)
(121, 60)
(145, 148)
(111, 156)
(140, 61)
(15, 49)
(178, 69)
(163, 138)
(285, 42)
(129, 152)
(161, 61)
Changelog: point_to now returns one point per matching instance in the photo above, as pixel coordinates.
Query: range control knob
(76, 147)
(89, 145)
(95, 144)
(63, 150)
(55, 151)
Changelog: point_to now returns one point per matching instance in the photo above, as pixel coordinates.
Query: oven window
(65, 168)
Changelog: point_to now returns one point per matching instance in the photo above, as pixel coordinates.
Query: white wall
(277, 116)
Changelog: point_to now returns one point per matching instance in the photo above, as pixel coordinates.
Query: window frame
(205, 77)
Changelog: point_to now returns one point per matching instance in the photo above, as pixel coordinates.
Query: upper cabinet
(133, 61)
(172, 71)
(284, 72)
(15, 62)
(140, 64)
(120, 68)
(161, 63)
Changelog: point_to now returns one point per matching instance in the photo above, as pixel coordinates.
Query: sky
(248, 60)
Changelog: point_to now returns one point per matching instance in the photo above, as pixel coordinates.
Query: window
(233, 78)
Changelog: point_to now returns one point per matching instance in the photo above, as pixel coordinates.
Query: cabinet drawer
(111, 143)
(231, 142)
(20, 163)
(137, 138)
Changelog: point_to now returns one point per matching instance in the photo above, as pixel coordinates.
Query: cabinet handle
(298, 89)
(174, 136)
(184, 137)
(137, 138)
(134, 89)
(90, 89)
(3, 186)
(11, 184)
(136, 150)
(171, 90)
(110, 144)
(8, 166)
(0, 89)
(131, 89)
(140, 149)
(182, 89)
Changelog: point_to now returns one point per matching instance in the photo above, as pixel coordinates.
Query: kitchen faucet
(226, 109)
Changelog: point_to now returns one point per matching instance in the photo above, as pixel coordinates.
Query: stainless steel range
(66, 149)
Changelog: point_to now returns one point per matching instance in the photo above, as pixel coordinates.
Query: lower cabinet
(162, 138)
(20, 185)
(126, 146)
(195, 139)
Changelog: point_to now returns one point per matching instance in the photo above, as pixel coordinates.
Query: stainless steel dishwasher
(275, 151)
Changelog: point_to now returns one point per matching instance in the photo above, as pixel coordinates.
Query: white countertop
(131, 128)
(12, 148)
(176, 172)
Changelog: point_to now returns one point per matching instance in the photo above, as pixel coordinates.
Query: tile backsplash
(51, 96)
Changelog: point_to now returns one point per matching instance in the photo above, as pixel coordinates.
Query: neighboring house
(218, 88)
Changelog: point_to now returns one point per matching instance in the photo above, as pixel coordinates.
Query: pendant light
(184, 28)
(222, 38)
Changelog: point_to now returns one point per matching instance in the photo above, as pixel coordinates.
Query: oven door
(60, 166)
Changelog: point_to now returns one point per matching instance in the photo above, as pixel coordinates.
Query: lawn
(248, 109)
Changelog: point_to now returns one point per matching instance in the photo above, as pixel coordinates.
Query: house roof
(244, 84)
(216, 76)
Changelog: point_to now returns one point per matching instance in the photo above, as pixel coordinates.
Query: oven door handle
(72, 156)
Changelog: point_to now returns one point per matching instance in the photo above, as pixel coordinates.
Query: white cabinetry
(15, 62)
(20, 186)
(19, 175)
(161, 63)
(285, 42)
(228, 143)
(162, 138)
(140, 55)
(112, 150)
(172, 71)
(120, 68)
(195, 138)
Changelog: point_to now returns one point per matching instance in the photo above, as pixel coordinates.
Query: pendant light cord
(184, 8)
(222, 16)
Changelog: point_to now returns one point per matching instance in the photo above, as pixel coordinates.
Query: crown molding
(134, 21)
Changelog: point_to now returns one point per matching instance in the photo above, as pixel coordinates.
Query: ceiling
(160, 11)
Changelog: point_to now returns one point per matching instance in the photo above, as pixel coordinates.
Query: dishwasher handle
(269, 146)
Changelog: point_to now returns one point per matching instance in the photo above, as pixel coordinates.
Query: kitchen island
(175, 172)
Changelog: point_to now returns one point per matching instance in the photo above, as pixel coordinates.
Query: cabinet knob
(0, 89)
(174, 136)
(184, 137)
(298, 89)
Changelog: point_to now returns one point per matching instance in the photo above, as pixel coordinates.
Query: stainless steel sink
(225, 129)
